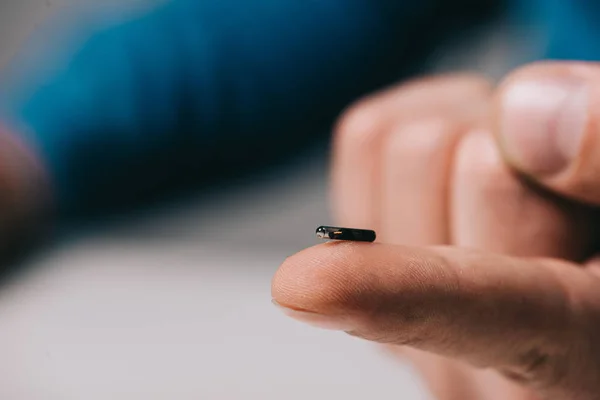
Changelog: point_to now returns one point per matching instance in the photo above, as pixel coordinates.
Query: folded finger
(363, 131)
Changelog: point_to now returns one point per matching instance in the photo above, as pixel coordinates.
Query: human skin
(484, 199)
(27, 198)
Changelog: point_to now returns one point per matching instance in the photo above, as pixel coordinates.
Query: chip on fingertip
(351, 234)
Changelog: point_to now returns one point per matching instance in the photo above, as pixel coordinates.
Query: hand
(26, 198)
(483, 276)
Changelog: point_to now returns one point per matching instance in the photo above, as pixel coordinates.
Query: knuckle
(532, 364)
(367, 119)
(422, 138)
(358, 124)
(538, 368)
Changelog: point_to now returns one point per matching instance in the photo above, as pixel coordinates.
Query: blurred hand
(483, 200)
(25, 196)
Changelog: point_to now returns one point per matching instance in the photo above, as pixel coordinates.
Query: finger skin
(531, 319)
(580, 179)
(416, 159)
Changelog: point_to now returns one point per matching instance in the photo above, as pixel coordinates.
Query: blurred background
(172, 300)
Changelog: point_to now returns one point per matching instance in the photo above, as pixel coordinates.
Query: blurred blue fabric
(125, 100)
(571, 28)
(114, 104)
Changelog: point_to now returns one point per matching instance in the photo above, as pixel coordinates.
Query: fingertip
(351, 278)
(309, 279)
(329, 278)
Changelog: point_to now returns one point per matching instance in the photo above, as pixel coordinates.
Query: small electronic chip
(334, 233)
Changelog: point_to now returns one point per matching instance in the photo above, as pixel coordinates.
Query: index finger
(527, 318)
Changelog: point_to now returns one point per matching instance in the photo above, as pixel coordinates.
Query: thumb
(547, 122)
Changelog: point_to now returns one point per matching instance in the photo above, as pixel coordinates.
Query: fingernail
(317, 320)
(543, 123)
